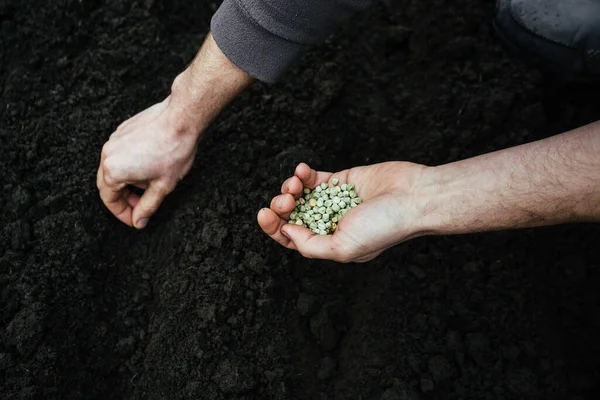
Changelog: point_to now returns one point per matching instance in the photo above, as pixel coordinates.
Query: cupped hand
(386, 216)
(153, 151)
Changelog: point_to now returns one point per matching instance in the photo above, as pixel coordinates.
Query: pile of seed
(321, 209)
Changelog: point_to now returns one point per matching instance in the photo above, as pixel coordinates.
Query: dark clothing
(264, 37)
(561, 36)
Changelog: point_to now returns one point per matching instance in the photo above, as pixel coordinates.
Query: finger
(141, 185)
(271, 224)
(132, 199)
(119, 169)
(135, 192)
(310, 177)
(108, 148)
(283, 205)
(311, 245)
(292, 186)
(99, 178)
(120, 131)
(148, 204)
(113, 199)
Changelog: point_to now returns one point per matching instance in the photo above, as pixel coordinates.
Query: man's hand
(552, 181)
(386, 217)
(155, 149)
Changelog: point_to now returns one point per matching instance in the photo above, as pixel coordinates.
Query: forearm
(552, 181)
(209, 83)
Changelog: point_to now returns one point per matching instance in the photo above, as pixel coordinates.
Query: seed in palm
(320, 209)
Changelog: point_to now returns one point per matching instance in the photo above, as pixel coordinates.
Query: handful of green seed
(321, 209)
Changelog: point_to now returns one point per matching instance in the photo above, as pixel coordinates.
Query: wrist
(426, 195)
(210, 83)
(548, 182)
(459, 198)
(513, 188)
(188, 114)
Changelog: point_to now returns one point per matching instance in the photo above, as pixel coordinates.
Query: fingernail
(280, 202)
(142, 222)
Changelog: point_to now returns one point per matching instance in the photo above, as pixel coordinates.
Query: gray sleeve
(264, 37)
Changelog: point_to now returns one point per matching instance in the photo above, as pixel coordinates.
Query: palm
(377, 224)
(365, 231)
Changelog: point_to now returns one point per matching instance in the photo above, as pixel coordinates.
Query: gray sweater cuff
(251, 47)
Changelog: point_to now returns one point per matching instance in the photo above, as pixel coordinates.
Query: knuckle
(109, 164)
(108, 179)
(103, 196)
(122, 125)
(99, 177)
(106, 149)
(110, 171)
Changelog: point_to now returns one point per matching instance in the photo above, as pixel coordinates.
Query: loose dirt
(201, 305)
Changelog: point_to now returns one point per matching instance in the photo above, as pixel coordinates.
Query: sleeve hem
(250, 46)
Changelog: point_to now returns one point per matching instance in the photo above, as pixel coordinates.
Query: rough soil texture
(201, 305)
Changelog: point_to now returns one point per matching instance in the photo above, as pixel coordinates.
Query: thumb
(311, 245)
(148, 204)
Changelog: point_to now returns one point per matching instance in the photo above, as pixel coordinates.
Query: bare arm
(552, 181)
(209, 83)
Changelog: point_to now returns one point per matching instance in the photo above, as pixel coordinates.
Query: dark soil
(201, 305)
